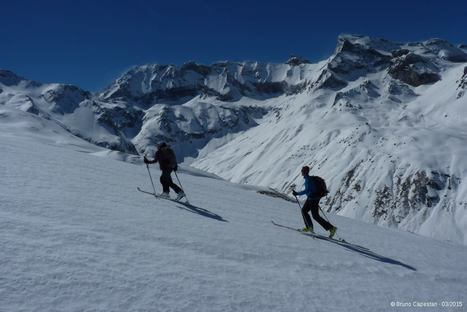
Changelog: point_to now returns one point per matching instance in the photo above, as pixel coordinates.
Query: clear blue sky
(91, 42)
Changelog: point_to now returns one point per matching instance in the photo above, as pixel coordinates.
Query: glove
(175, 168)
(146, 161)
(294, 193)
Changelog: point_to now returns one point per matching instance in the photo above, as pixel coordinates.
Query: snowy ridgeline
(76, 235)
(383, 122)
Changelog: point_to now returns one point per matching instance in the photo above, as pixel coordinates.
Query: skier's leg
(171, 183)
(165, 181)
(306, 217)
(315, 213)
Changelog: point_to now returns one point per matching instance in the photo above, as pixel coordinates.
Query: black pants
(313, 205)
(167, 183)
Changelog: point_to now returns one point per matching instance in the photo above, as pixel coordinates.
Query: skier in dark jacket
(165, 156)
(312, 203)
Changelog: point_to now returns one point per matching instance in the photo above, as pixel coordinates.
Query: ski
(146, 192)
(318, 236)
(162, 197)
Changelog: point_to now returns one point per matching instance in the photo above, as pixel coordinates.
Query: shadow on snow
(365, 252)
(355, 248)
(201, 211)
(189, 207)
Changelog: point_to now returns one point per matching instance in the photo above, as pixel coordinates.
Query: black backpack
(167, 157)
(321, 189)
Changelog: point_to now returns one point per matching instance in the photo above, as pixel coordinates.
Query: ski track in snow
(76, 235)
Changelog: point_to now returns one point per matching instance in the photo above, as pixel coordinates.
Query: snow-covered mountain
(193, 104)
(383, 122)
(73, 109)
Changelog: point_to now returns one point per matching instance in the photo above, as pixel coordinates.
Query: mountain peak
(9, 78)
(346, 41)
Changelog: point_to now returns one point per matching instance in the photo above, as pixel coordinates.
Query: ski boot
(307, 230)
(332, 232)
(164, 195)
(180, 195)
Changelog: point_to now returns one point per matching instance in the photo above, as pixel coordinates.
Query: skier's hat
(161, 145)
(305, 169)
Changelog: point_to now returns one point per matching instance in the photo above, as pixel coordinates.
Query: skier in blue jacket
(312, 204)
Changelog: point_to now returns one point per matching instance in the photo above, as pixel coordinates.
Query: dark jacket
(165, 156)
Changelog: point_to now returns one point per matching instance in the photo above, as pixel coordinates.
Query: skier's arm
(305, 191)
(308, 188)
(147, 161)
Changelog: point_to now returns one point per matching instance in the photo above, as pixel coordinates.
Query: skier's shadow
(365, 252)
(353, 247)
(201, 211)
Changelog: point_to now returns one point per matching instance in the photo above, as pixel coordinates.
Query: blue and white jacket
(310, 188)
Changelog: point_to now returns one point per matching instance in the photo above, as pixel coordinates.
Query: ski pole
(150, 177)
(303, 217)
(181, 186)
(292, 187)
(298, 202)
(324, 214)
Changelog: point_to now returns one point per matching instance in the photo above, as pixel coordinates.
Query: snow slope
(75, 235)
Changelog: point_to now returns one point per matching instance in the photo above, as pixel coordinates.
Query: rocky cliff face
(462, 84)
(226, 81)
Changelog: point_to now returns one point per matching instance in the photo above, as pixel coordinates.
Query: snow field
(76, 235)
